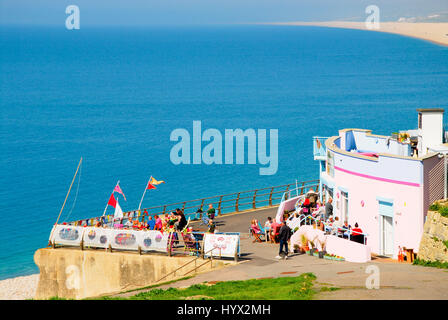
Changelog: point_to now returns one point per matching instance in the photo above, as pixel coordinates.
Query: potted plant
(322, 254)
(304, 243)
(296, 248)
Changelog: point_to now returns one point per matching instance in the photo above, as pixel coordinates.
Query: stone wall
(77, 274)
(435, 233)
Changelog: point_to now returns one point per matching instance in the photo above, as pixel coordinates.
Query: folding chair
(263, 231)
(256, 236)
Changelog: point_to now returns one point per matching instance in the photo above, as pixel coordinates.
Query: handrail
(224, 203)
(194, 260)
(254, 191)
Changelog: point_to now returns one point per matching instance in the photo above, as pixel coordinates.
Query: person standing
(181, 220)
(211, 211)
(329, 208)
(284, 235)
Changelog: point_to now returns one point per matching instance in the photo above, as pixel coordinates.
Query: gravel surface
(19, 288)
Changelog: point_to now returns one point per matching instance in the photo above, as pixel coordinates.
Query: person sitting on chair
(254, 227)
(357, 235)
(267, 227)
(346, 229)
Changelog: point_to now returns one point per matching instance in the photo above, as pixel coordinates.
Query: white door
(386, 213)
(387, 236)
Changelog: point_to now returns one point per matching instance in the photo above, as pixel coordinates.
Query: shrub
(434, 207)
(444, 211)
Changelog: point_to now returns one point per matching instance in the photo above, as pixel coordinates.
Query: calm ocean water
(114, 95)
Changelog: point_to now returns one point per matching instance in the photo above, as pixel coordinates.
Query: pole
(68, 192)
(146, 188)
(105, 209)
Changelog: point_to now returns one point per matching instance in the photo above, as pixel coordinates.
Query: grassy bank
(283, 288)
(434, 264)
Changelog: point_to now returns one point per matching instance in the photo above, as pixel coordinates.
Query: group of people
(174, 221)
(210, 221)
(324, 220)
(270, 229)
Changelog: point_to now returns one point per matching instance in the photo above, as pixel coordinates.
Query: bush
(444, 211)
(434, 207)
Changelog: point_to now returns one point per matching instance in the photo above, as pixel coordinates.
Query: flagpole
(68, 192)
(105, 209)
(146, 188)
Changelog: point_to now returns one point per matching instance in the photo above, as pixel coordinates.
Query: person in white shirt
(267, 227)
(336, 225)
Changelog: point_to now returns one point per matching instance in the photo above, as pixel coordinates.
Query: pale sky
(175, 12)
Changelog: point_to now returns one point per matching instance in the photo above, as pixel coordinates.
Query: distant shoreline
(434, 32)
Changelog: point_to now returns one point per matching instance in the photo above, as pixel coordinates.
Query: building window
(419, 120)
(330, 164)
(327, 193)
(344, 209)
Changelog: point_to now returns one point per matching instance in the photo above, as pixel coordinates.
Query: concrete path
(397, 280)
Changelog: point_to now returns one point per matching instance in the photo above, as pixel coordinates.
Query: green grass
(435, 264)
(283, 288)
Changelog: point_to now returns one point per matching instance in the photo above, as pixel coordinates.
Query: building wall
(395, 180)
(363, 207)
(434, 180)
(380, 144)
(431, 131)
(388, 168)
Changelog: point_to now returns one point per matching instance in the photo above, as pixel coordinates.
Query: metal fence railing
(223, 204)
(227, 203)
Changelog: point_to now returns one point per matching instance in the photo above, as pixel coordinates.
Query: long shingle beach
(436, 32)
(20, 288)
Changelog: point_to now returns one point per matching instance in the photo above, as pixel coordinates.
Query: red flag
(150, 186)
(112, 202)
(118, 189)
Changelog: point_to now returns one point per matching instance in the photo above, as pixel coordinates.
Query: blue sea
(114, 95)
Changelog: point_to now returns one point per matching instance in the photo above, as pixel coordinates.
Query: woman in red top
(356, 231)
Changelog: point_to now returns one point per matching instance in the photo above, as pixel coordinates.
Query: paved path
(397, 280)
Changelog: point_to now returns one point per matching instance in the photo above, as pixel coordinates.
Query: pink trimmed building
(386, 183)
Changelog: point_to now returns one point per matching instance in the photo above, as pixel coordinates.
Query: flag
(118, 212)
(150, 186)
(155, 182)
(112, 202)
(118, 189)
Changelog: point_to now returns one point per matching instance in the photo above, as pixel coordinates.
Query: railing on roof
(319, 150)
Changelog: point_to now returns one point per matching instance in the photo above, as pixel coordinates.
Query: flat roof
(431, 110)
